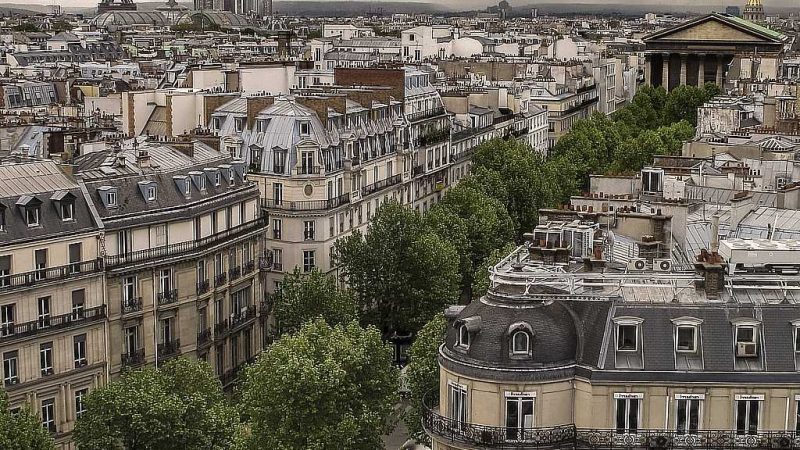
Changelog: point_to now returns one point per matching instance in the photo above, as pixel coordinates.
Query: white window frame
(522, 351)
(520, 398)
(309, 260)
(635, 337)
(32, 220)
(749, 399)
(305, 128)
(67, 211)
(457, 403)
(460, 340)
(627, 398)
(80, 405)
(693, 348)
(48, 414)
(309, 230)
(111, 198)
(689, 399)
(151, 193)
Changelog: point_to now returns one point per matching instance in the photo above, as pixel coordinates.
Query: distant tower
(754, 11)
(109, 5)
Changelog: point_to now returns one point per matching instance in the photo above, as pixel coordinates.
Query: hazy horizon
(767, 3)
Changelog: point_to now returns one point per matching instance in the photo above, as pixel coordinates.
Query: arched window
(463, 336)
(520, 343)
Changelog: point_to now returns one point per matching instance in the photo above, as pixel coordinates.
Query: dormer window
(31, 209)
(746, 341)
(217, 179)
(463, 337)
(111, 198)
(32, 216)
(305, 128)
(187, 187)
(230, 176)
(627, 337)
(151, 193)
(261, 125)
(67, 211)
(520, 343)
(239, 124)
(2, 218)
(202, 183)
(686, 339)
(796, 324)
(216, 123)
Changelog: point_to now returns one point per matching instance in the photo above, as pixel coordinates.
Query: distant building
(733, 11)
(244, 7)
(754, 11)
(111, 5)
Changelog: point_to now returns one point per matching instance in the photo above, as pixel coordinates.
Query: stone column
(648, 70)
(701, 72)
(683, 68)
(719, 70)
(665, 71)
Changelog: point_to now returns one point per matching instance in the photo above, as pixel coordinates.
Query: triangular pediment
(716, 28)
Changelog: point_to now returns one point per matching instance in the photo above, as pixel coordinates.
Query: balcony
(220, 279)
(248, 267)
(204, 337)
(132, 305)
(169, 349)
(202, 287)
(245, 315)
(475, 436)
(221, 329)
(234, 273)
(422, 115)
(418, 170)
(380, 185)
(27, 279)
(307, 205)
(184, 248)
(316, 170)
(433, 137)
(229, 377)
(265, 262)
(21, 330)
(165, 298)
(134, 358)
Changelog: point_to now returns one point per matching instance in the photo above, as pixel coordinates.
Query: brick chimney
(710, 266)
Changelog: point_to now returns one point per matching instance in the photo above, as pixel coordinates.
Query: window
(463, 337)
(75, 256)
(40, 263)
(2, 219)
(111, 198)
(215, 123)
(220, 356)
(78, 301)
(217, 178)
(309, 262)
(458, 403)
(5, 270)
(165, 281)
(686, 339)
(166, 326)
(219, 264)
(687, 417)
(80, 406)
(32, 216)
(43, 305)
(279, 161)
(10, 368)
(747, 413)
(151, 193)
(277, 193)
(627, 416)
(239, 124)
(128, 289)
(519, 414)
(277, 259)
(49, 414)
(261, 125)
(201, 271)
(187, 187)
(626, 337)
(746, 341)
(745, 335)
(276, 228)
(305, 128)
(6, 320)
(307, 163)
(797, 415)
(79, 350)
(214, 222)
(67, 211)
(308, 230)
(131, 339)
(520, 343)
(46, 358)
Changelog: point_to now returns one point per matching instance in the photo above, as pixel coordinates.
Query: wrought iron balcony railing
(132, 305)
(34, 277)
(169, 348)
(472, 435)
(420, 115)
(248, 267)
(204, 337)
(306, 205)
(20, 330)
(133, 358)
(220, 279)
(170, 296)
(202, 287)
(182, 248)
(234, 272)
(243, 316)
(380, 185)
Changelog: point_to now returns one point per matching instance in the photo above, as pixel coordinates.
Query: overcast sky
(80, 3)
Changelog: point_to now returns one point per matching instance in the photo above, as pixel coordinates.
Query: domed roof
(466, 47)
(223, 19)
(130, 18)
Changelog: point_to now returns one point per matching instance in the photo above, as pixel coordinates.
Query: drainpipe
(155, 317)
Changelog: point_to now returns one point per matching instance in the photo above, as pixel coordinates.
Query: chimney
(715, 231)
(710, 266)
(143, 158)
(789, 196)
(741, 206)
(255, 105)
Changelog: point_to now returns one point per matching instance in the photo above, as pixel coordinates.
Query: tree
(180, 405)
(321, 388)
(482, 224)
(480, 283)
(26, 27)
(682, 103)
(422, 373)
(401, 272)
(22, 430)
(61, 25)
(305, 297)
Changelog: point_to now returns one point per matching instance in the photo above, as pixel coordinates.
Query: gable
(711, 30)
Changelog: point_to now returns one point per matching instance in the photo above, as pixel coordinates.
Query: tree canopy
(402, 273)
(179, 405)
(321, 388)
(304, 297)
(22, 430)
(423, 372)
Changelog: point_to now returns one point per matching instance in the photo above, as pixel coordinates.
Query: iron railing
(248, 267)
(20, 330)
(569, 436)
(204, 337)
(133, 358)
(220, 279)
(132, 305)
(420, 115)
(202, 287)
(380, 185)
(33, 277)
(186, 247)
(306, 205)
(242, 317)
(169, 348)
(234, 272)
(165, 298)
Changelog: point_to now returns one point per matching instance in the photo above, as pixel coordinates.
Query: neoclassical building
(567, 352)
(712, 49)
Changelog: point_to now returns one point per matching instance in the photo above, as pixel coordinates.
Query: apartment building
(183, 251)
(606, 355)
(52, 313)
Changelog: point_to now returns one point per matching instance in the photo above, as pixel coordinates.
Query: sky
(767, 3)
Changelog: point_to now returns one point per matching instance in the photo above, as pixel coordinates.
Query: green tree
(61, 25)
(480, 283)
(422, 373)
(682, 103)
(673, 136)
(179, 405)
(305, 297)
(26, 27)
(402, 273)
(483, 220)
(321, 388)
(22, 430)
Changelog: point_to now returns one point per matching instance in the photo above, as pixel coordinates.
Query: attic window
(305, 128)
(230, 175)
(215, 123)
(67, 210)
(463, 337)
(746, 340)
(520, 343)
(261, 126)
(151, 193)
(627, 337)
(187, 187)
(32, 216)
(2, 218)
(686, 339)
(111, 198)
(239, 124)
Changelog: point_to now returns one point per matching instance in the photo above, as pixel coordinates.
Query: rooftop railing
(380, 185)
(307, 205)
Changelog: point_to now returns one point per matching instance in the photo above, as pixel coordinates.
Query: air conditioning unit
(746, 350)
(662, 265)
(637, 264)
